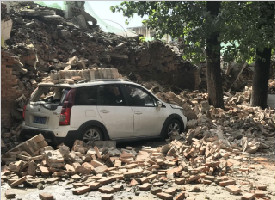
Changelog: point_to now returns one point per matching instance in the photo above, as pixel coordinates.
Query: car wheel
(91, 134)
(173, 126)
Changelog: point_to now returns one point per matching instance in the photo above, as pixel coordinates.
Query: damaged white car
(99, 110)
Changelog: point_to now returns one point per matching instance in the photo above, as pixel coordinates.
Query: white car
(99, 110)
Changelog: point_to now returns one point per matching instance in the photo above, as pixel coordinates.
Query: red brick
(81, 190)
(107, 197)
(233, 189)
(18, 182)
(95, 185)
(228, 182)
(261, 187)
(145, 187)
(9, 194)
(46, 196)
(248, 196)
(260, 193)
(164, 196)
(181, 196)
(180, 181)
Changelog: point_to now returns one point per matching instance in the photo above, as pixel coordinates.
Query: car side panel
(148, 121)
(118, 120)
(82, 113)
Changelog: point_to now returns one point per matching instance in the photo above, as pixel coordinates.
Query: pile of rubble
(217, 145)
(239, 125)
(210, 161)
(42, 44)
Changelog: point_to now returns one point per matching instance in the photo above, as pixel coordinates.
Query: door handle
(104, 111)
(138, 112)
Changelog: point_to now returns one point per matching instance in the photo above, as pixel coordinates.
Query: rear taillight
(24, 110)
(65, 114)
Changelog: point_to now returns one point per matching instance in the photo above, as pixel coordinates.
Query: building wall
(9, 93)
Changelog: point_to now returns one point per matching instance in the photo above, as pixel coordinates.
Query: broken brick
(261, 187)
(95, 163)
(260, 193)
(81, 190)
(180, 181)
(106, 189)
(171, 191)
(228, 182)
(133, 182)
(181, 196)
(46, 196)
(145, 187)
(9, 194)
(248, 196)
(94, 185)
(18, 182)
(107, 197)
(156, 190)
(164, 196)
(233, 189)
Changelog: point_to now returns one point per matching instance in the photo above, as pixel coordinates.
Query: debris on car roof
(74, 76)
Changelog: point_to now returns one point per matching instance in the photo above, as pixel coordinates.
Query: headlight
(176, 106)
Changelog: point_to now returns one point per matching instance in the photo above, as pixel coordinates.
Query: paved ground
(263, 173)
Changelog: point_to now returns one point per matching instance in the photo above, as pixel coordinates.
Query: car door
(148, 118)
(115, 114)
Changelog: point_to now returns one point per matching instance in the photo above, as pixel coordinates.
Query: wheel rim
(91, 135)
(173, 127)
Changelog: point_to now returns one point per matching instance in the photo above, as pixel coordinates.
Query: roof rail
(86, 81)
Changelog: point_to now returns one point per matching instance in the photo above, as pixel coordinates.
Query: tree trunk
(260, 78)
(213, 70)
(263, 56)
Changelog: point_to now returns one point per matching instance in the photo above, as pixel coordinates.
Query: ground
(261, 172)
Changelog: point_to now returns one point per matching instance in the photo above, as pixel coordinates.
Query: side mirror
(159, 104)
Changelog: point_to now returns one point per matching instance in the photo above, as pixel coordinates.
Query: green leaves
(238, 23)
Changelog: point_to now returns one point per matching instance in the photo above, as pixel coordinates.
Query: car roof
(90, 83)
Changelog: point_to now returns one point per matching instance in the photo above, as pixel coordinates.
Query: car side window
(110, 95)
(86, 95)
(138, 97)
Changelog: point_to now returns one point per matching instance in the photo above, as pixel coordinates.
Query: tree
(263, 56)
(248, 28)
(197, 23)
(251, 24)
(213, 70)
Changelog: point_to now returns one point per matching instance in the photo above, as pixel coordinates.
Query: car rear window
(50, 94)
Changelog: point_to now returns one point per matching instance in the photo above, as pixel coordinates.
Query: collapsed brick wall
(9, 92)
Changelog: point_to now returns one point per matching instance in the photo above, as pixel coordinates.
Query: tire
(90, 134)
(171, 126)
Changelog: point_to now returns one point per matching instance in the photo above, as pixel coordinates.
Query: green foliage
(141, 39)
(40, 3)
(53, 5)
(239, 25)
